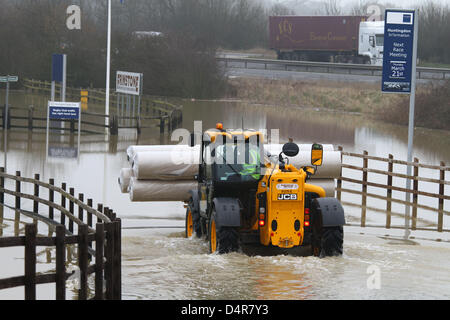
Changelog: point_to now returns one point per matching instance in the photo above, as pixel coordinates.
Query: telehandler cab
(247, 196)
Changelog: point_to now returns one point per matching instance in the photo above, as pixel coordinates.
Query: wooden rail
(438, 183)
(31, 121)
(98, 95)
(106, 233)
(152, 108)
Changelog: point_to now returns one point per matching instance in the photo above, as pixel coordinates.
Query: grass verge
(432, 101)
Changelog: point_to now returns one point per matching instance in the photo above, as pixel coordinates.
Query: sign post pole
(412, 98)
(399, 75)
(108, 66)
(5, 120)
(7, 104)
(64, 78)
(7, 79)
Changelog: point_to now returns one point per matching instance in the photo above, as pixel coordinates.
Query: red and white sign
(128, 82)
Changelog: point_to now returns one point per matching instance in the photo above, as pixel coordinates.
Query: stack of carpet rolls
(166, 172)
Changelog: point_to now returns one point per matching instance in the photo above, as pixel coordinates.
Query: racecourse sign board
(398, 50)
(129, 82)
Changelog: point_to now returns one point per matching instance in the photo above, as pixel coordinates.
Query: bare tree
(332, 8)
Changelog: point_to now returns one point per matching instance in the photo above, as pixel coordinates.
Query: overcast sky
(345, 3)
(402, 3)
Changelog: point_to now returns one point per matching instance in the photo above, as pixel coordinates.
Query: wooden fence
(386, 189)
(106, 233)
(27, 118)
(154, 112)
(98, 96)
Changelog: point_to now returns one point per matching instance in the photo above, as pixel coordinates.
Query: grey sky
(308, 5)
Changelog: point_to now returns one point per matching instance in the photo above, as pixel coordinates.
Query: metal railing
(328, 67)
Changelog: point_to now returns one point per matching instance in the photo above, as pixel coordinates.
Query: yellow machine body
(283, 218)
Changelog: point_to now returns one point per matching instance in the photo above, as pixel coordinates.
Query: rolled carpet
(157, 190)
(165, 165)
(181, 163)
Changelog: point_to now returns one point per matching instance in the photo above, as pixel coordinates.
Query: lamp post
(108, 68)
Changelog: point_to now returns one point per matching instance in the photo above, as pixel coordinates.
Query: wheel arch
(228, 212)
(329, 211)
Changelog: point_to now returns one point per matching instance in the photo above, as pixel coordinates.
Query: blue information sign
(398, 50)
(61, 111)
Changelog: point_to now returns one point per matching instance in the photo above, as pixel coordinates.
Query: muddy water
(159, 263)
(168, 266)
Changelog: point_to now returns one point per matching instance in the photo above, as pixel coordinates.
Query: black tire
(226, 238)
(331, 242)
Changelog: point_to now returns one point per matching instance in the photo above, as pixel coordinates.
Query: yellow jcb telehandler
(245, 197)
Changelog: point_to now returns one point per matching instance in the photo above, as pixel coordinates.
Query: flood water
(159, 263)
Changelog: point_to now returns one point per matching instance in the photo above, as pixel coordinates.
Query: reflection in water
(280, 282)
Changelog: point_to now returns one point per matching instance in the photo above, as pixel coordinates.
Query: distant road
(273, 71)
(293, 75)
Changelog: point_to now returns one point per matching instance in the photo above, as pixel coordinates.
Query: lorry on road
(340, 39)
(246, 196)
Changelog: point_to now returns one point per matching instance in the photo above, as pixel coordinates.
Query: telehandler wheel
(222, 239)
(192, 223)
(330, 242)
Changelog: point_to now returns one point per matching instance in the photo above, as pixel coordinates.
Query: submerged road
(376, 264)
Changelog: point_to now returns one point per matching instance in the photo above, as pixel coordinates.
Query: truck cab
(371, 41)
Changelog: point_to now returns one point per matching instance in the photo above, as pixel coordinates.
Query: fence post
(161, 125)
(63, 204)
(99, 209)
(60, 263)
(2, 197)
(170, 122)
(441, 200)
(89, 215)
(364, 190)
(80, 209)
(83, 260)
(113, 125)
(138, 125)
(106, 212)
(339, 180)
(51, 198)
(17, 190)
(99, 244)
(415, 195)
(30, 117)
(36, 194)
(117, 260)
(109, 267)
(30, 261)
(71, 208)
(389, 192)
